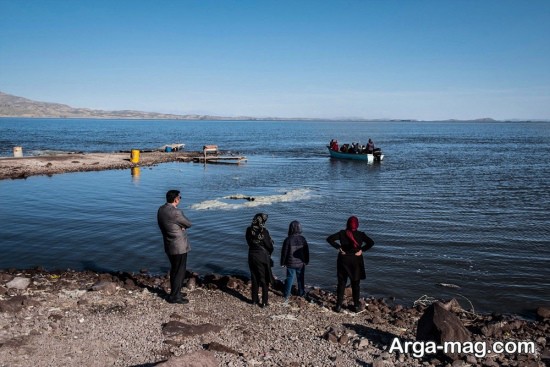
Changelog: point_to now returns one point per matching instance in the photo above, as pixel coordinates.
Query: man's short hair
(172, 195)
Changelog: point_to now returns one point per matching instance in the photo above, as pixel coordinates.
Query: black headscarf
(257, 228)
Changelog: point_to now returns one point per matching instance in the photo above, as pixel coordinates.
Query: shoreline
(23, 167)
(66, 317)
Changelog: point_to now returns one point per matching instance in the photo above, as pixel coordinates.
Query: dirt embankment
(24, 167)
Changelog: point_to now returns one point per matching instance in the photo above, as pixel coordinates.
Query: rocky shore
(72, 318)
(24, 167)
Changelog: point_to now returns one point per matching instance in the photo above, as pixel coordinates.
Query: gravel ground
(69, 318)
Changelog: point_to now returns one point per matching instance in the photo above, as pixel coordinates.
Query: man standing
(173, 224)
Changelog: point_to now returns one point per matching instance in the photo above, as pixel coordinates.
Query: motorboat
(376, 156)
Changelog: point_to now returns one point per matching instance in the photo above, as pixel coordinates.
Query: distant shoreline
(19, 107)
(262, 119)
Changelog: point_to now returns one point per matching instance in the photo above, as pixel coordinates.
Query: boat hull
(369, 158)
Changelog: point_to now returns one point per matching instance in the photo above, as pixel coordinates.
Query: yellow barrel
(17, 152)
(134, 156)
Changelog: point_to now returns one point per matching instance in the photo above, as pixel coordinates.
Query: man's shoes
(180, 301)
(264, 305)
(338, 308)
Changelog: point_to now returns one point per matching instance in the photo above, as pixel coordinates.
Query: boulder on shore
(439, 325)
(543, 313)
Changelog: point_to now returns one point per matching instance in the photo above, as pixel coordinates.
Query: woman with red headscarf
(350, 244)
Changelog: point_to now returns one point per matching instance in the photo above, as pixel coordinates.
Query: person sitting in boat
(344, 148)
(351, 149)
(370, 147)
(334, 145)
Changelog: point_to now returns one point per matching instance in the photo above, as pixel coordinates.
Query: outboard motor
(377, 153)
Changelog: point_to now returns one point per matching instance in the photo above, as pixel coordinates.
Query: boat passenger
(370, 146)
(334, 145)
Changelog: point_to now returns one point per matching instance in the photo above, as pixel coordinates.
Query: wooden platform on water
(220, 159)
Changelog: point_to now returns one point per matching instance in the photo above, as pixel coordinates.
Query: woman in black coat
(350, 244)
(260, 247)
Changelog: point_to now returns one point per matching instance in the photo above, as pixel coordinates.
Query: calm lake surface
(460, 203)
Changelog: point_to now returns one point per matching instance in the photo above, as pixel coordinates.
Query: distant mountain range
(13, 106)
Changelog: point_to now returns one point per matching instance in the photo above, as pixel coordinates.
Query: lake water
(452, 202)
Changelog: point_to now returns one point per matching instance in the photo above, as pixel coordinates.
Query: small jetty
(211, 155)
(21, 167)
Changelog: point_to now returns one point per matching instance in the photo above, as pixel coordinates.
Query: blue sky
(428, 60)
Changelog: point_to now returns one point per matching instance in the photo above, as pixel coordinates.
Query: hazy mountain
(13, 106)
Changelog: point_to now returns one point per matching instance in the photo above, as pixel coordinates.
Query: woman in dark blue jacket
(295, 257)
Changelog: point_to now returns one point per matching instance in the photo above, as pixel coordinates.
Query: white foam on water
(289, 196)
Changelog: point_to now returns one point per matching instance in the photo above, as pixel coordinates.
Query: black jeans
(256, 286)
(355, 290)
(178, 267)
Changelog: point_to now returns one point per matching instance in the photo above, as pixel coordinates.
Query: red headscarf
(351, 226)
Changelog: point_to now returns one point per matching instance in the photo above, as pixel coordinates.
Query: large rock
(192, 284)
(335, 333)
(19, 283)
(217, 347)
(543, 313)
(4, 277)
(439, 325)
(201, 358)
(105, 286)
(16, 304)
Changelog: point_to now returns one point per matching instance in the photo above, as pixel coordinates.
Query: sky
(372, 59)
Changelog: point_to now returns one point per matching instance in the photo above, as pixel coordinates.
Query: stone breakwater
(68, 318)
(81, 162)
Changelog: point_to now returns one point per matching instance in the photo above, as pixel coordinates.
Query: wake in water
(253, 201)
